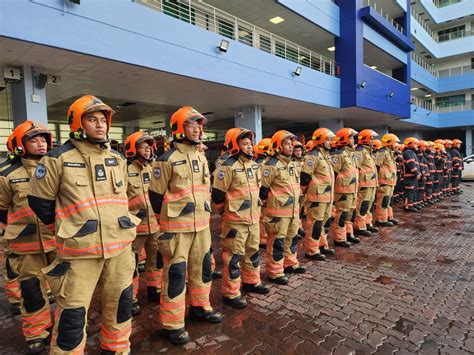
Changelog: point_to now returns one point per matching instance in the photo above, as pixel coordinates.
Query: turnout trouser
(345, 215)
(383, 211)
(154, 262)
(318, 216)
(365, 199)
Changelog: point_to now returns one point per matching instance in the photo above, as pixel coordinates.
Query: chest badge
(250, 173)
(100, 174)
(195, 166)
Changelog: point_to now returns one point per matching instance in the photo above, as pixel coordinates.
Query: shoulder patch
(358, 155)
(11, 168)
(230, 161)
(310, 162)
(272, 161)
(266, 172)
(221, 175)
(56, 152)
(156, 173)
(335, 159)
(165, 156)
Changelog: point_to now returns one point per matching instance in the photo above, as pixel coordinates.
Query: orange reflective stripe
(30, 332)
(93, 250)
(282, 212)
(321, 179)
(115, 334)
(349, 173)
(326, 197)
(116, 346)
(144, 227)
(38, 317)
(171, 318)
(230, 216)
(91, 202)
(24, 247)
(136, 201)
(172, 225)
(367, 171)
(24, 212)
(171, 306)
(49, 243)
(175, 196)
(242, 192)
(199, 291)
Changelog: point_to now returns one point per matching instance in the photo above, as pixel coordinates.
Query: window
(449, 101)
(452, 33)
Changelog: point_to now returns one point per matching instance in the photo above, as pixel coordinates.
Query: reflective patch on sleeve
(157, 173)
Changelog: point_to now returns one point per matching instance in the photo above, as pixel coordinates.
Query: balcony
(421, 62)
(379, 9)
(444, 3)
(445, 73)
(427, 104)
(212, 19)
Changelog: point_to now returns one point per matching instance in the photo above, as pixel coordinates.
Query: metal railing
(210, 18)
(443, 3)
(454, 35)
(420, 61)
(444, 73)
(423, 23)
(455, 107)
(379, 9)
(422, 102)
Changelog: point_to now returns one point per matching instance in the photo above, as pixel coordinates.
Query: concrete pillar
(334, 124)
(250, 117)
(29, 100)
(468, 142)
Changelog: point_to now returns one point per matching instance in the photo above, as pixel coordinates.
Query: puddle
(384, 280)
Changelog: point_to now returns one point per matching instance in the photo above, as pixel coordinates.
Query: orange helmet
(309, 145)
(422, 144)
(27, 129)
(136, 139)
(389, 140)
(298, 144)
(185, 113)
(400, 147)
(264, 146)
(229, 134)
(343, 136)
(86, 104)
(335, 142)
(448, 143)
(410, 142)
(279, 137)
(365, 136)
(439, 141)
(321, 135)
(377, 144)
(438, 147)
(236, 136)
(457, 142)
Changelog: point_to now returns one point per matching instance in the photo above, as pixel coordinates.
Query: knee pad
(234, 267)
(176, 279)
(278, 249)
(207, 267)
(294, 244)
(364, 207)
(33, 299)
(159, 260)
(10, 273)
(71, 328)
(254, 259)
(385, 202)
(342, 219)
(327, 225)
(317, 229)
(124, 308)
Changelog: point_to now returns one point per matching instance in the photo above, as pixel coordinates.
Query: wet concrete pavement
(407, 290)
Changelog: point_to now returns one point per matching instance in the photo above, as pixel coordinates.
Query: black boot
(371, 228)
(35, 346)
(384, 224)
(262, 246)
(295, 270)
(141, 267)
(237, 302)
(198, 313)
(326, 251)
(176, 336)
(261, 288)
(352, 239)
(342, 244)
(317, 257)
(136, 309)
(301, 232)
(153, 294)
(216, 274)
(282, 280)
(362, 233)
(15, 309)
(393, 221)
(410, 209)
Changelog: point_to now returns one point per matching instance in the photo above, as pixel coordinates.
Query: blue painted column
(28, 100)
(250, 117)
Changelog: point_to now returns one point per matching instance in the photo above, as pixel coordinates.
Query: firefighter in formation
(77, 217)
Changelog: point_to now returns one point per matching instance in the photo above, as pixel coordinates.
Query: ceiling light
(277, 20)
(374, 67)
(429, 95)
(413, 89)
(331, 49)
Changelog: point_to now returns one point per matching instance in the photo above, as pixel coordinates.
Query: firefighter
(310, 145)
(31, 246)
(439, 164)
(180, 196)
(11, 288)
(235, 194)
(345, 188)
(263, 152)
(398, 191)
(429, 157)
(298, 157)
(79, 191)
(317, 180)
(387, 179)
(458, 165)
(411, 173)
(280, 193)
(421, 197)
(139, 150)
(449, 167)
(367, 186)
(377, 144)
(225, 151)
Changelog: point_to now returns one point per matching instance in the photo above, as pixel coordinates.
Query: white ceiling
(157, 94)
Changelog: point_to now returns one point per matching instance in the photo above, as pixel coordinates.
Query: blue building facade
(396, 65)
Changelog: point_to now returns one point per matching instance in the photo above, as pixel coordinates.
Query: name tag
(179, 162)
(239, 170)
(133, 174)
(70, 164)
(111, 162)
(16, 181)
